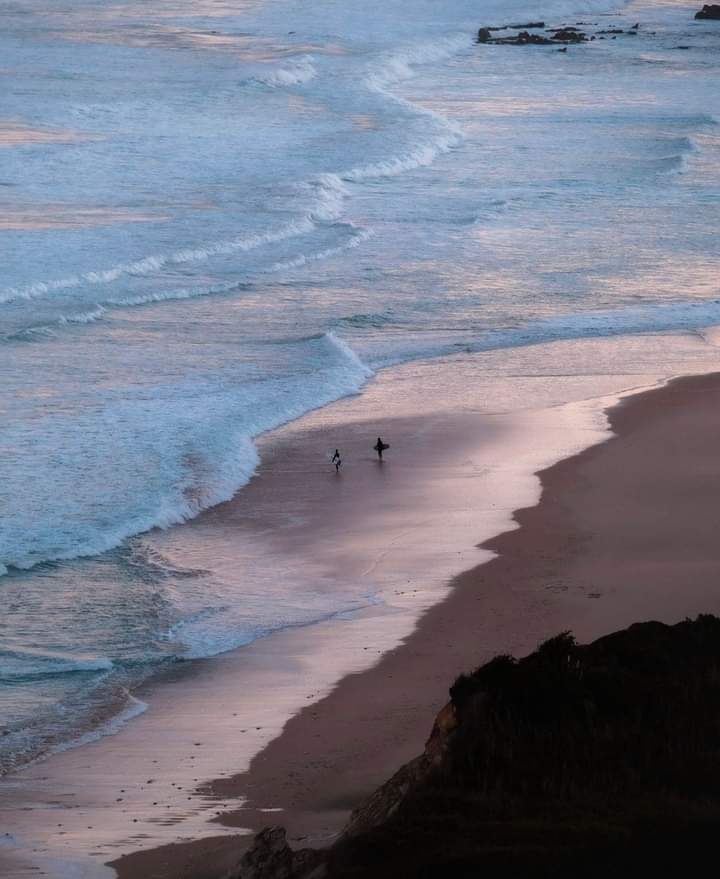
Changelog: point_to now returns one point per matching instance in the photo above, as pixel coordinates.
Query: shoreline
(473, 432)
(566, 551)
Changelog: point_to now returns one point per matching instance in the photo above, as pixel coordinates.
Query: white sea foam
(329, 194)
(349, 355)
(328, 188)
(301, 71)
(392, 70)
(83, 317)
(358, 237)
(421, 156)
(202, 639)
(177, 505)
(401, 64)
(204, 466)
(171, 295)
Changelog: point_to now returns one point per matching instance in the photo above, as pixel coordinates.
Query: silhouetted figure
(337, 460)
(380, 447)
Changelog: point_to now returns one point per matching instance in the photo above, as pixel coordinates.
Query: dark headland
(576, 760)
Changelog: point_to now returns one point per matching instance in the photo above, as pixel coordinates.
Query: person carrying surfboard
(380, 447)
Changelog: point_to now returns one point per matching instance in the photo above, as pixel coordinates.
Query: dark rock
(526, 39)
(532, 25)
(635, 27)
(612, 30)
(709, 11)
(593, 761)
(569, 35)
(388, 798)
(270, 857)
(575, 761)
(523, 39)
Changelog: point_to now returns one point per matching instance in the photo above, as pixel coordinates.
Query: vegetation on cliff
(576, 760)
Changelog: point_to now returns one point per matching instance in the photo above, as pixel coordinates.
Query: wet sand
(625, 531)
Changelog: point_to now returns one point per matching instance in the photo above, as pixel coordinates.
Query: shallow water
(217, 217)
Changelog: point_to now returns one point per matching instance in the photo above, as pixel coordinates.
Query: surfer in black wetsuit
(337, 461)
(380, 447)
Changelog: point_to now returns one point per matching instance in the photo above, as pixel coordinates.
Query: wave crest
(299, 72)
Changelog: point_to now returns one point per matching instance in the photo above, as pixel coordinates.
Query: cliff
(575, 759)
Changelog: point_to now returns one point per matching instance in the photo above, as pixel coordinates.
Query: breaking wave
(299, 72)
(329, 196)
(207, 458)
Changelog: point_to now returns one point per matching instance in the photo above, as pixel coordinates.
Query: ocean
(219, 216)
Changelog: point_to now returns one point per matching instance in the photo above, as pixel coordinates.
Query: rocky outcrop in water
(569, 35)
(525, 38)
(565, 35)
(709, 11)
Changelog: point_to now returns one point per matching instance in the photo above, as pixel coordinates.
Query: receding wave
(23, 664)
(22, 748)
(200, 643)
(172, 509)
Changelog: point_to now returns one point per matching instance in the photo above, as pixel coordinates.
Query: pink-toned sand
(625, 531)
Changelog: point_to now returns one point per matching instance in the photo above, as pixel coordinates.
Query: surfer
(337, 460)
(380, 447)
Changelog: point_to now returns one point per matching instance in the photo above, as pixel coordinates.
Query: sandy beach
(299, 726)
(624, 531)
